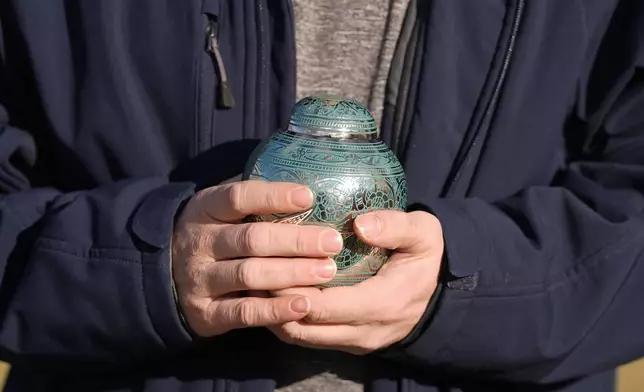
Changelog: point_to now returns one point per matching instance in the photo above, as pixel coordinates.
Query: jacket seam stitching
(87, 252)
(568, 275)
(91, 256)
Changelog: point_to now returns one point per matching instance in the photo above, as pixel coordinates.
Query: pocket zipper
(225, 97)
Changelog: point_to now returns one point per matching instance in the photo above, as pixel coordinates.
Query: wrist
(173, 282)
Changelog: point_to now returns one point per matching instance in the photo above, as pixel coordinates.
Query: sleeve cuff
(447, 309)
(154, 229)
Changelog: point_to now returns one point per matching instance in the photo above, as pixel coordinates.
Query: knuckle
(422, 218)
(291, 334)
(319, 315)
(412, 229)
(192, 305)
(196, 278)
(435, 224)
(247, 273)
(202, 242)
(217, 319)
(273, 313)
(246, 313)
(236, 194)
(254, 237)
(411, 220)
(425, 223)
(185, 239)
(196, 314)
(272, 198)
(208, 313)
(301, 240)
(293, 276)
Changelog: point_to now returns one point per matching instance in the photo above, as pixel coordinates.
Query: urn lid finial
(333, 116)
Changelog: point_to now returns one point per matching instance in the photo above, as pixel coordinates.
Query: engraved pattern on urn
(332, 146)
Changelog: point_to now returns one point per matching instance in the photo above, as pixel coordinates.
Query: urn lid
(334, 117)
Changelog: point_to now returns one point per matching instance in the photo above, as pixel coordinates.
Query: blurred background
(630, 378)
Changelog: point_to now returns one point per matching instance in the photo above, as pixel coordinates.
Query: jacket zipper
(474, 134)
(262, 67)
(225, 99)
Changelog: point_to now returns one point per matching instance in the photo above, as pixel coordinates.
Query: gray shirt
(345, 47)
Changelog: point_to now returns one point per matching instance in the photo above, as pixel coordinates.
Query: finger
(326, 337)
(232, 202)
(309, 291)
(234, 313)
(265, 239)
(406, 232)
(229, 276)
(396, 294)
(353, 305)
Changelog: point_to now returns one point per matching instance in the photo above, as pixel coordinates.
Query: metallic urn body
(332, 145)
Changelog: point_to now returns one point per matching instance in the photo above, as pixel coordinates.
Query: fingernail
(369, 225)
(326, 269)
(302, 197)
(331, 242)
(301, 305)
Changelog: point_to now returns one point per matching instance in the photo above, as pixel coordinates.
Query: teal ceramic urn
(332, 145)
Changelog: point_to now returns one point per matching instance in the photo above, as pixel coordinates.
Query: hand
(381, 310)
(216, 258)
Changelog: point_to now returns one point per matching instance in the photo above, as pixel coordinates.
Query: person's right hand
(216, 257)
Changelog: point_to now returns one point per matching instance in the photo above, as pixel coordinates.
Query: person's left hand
(381, 310)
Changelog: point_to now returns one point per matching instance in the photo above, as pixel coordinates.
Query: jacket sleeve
(546, 286)
(85, 276)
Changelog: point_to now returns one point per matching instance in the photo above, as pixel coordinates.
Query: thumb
(413, 232)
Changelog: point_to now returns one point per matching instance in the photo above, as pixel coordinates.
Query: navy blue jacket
(520, 124)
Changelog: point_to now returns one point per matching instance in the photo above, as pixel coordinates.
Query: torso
(124, 101)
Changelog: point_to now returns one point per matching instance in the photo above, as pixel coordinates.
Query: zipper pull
(225, 98)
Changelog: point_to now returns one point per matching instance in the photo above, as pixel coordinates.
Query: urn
(332, 145)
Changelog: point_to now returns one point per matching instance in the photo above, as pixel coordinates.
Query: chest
(476, 101)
